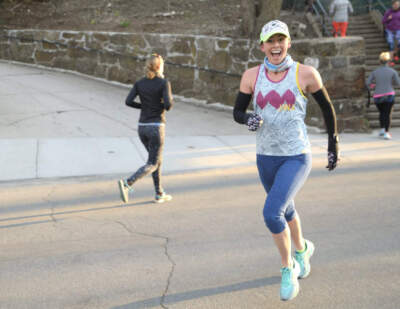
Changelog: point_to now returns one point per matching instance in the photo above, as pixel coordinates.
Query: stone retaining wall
(203, 67)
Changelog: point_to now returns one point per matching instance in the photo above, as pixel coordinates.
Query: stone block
(256, 54)
(25, 37)
(181, 79)
(23, 53)
(300, 49)
(203, 57)
(344, 83)
(39, 35)
(100, 37)
(72, 36)
(100, 71)
(158, 42)
(220, 61)
(357, 60)
(220, 87)
(351, 46)
(119, 39)
(223, 44)
(121, 75)
(252, 64)
(238, 68)
(240, 51)
(43, 57)
(204, 43)
(185, 60)
(49, 46)
(106, 57)
(86, 66)
(182, 45)
(137, 41)
(65, 62)
(338, 62)
(80, 53)
(4, 36)
(50, 35)
(131, 64)
(325, 47)
(5, 51)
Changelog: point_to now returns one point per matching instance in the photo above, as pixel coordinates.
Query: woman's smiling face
(275, 48)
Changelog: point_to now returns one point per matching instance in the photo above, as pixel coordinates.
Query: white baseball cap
(273, 27)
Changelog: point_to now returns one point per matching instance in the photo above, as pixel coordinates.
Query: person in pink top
(382, 80)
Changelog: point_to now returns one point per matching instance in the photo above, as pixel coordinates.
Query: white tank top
(282, 105)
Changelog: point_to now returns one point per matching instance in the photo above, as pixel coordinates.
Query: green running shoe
(290, 285)
(303, 259)
(124, 189)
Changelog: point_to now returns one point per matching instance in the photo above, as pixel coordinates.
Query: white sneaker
(304, 259)
(387, 135)
(124, 190)
(161, 198)
(290, 284)
(382, 132)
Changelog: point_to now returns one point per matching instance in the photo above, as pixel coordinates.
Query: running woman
(155, 95)
(277, 90)
(384, 78)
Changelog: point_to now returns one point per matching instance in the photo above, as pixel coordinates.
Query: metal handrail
(321, 7)
(323, 16)
(376, 4)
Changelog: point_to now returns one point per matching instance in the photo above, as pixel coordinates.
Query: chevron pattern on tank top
(285, 102)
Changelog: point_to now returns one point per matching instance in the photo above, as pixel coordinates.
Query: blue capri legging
(282, 177)
(390, 36)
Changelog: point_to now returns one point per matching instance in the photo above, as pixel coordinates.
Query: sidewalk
(67, 157)
(55, 124)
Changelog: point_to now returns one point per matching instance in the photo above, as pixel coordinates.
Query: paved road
(71, 244)
(68, 242)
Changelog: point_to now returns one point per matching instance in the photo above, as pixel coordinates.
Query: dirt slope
(211, 17)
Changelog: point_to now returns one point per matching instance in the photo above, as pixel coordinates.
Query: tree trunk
(256, 13)
(268, 10)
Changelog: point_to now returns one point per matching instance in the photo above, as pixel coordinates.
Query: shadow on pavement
(195, 294)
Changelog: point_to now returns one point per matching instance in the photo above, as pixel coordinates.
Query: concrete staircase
(375, 43)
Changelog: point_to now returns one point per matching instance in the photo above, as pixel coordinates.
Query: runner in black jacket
(155, 95)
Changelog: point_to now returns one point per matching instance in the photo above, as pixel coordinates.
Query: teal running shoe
(124, 190)
(290, 285)
(163, 197)
(303, 259)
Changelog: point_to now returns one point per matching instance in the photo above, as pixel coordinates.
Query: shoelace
(286, 275)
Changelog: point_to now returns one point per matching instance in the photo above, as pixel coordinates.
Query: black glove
(333, 152)
(254, 122)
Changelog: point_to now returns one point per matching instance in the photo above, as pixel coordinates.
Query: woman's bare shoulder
(309, 78)
(248, 79)
(252, 72)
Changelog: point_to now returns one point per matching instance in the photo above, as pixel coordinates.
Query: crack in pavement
(42, 115)
(173, 264)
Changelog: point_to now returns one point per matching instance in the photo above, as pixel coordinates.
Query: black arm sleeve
(167, 96)
(328, 111)
(131, 97)
(241, 105)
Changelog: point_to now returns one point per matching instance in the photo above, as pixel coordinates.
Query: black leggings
(385, 114)
(152, 137)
